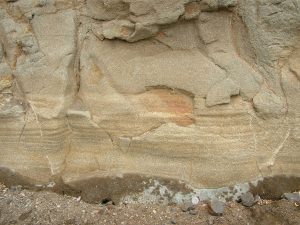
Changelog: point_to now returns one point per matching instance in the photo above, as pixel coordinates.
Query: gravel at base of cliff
(25, 207)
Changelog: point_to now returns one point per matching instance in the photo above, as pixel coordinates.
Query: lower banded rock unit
(206, 92)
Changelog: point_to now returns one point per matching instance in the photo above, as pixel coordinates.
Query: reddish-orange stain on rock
(177, 104)
(191, 8)
(125, 31)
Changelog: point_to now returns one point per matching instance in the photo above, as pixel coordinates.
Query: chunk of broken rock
(187, 207)
(216, 207)
(267, 104)
(5, 81)
(195, 200)
(221, 92)
(294, 197)
(128, 31)
(248, 199)
(121, 29)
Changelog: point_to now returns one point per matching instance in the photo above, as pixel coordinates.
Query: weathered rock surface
(203, 91)
(216, 207)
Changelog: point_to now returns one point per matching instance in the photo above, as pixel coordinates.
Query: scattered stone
(294, 197)
(187, 207)
(70, 221)
(8, 200)
(39, 208)
(193, 212)
(25, 215)
(211, 220)
(247, 199)
(216, 207)
(17, 188)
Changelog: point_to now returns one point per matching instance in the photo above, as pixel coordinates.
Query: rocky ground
(18, 206)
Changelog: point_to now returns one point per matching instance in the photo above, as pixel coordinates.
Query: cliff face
(204, 91)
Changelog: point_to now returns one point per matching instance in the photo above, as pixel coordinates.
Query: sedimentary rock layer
(203, 91)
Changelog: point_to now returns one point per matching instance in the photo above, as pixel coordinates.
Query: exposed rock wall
(204, 91)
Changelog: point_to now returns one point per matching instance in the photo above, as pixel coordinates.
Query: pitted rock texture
(203, 91)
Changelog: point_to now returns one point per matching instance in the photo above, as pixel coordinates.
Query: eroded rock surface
(202, 91)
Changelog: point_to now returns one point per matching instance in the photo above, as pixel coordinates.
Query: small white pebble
(195, 200)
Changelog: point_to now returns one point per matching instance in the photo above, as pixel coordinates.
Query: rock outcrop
(202, 91)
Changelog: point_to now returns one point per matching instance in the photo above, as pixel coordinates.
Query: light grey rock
(195, 200)
(248, 199)
(216, 207)
(187, 207)
(294, 197)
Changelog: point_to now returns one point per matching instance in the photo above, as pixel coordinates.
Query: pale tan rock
(6, 78)
(51, 65)
(192, 10)
(180, 36)
(140, 8)
(125, 30)
(221, 92)
(266, 103)
(206, 92)
(5, 81)
(107, 9)
(294, 63)
(121, 29)
(215, 30)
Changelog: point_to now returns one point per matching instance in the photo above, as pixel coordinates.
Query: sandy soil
(20, 207)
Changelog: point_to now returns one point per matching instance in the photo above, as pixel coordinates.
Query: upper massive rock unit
(203, 91)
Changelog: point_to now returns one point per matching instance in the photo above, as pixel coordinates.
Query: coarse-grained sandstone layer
(202, 91)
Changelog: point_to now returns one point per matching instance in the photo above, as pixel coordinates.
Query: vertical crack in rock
(276, 151)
